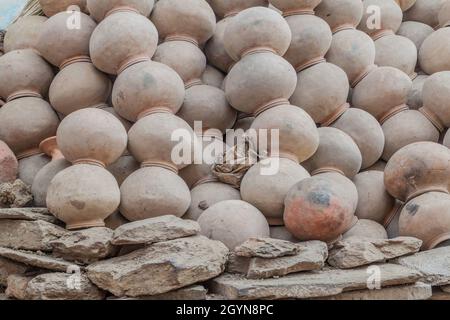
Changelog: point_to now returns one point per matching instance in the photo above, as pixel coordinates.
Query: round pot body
(30, 166)
(225, 8)
(281, 233)
(392, 227)
(23, 34)
(391, 17)
(52, 7)
(425, 11)
(293, 6)
(340, 14)
(215, 47)
(233, 222)
(213, 77)
(99, 9)
(436, 95)
(447, 139)
(366, 229)
(415, 31)
(123, 167)
(9, 165)
(115, 220)
(405, 4)
(434, 52)
(83, 196)
(415, 97)
(267, 183)
(378, 166)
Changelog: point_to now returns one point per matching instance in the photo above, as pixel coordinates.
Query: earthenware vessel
(368, 229)
(100, 9)
(340, 14)
(425, 11)
(24, 33)
(405, 4)
(52, 7)
(435, 95)
(415, 31)
(212, 77)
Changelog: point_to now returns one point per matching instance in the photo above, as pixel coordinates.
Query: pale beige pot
(415, 97)
(281, 233)
(295, 6)
(390, 18)
(367, 229)
(340, 14)
(24, 33)
(215, 47)
(99, 9)
(213, 77)
(244, 122)
(444, 15)
(378, 166)
(225, 8)
(415, 31)
(123, 167)
(127, 124)
(425, 11)
(447, 139)
(405, 4)
(436, 95)
(233, 222)
(434, 52)
(52, 7)
(30, 166)
(115, 220)
(266, 190)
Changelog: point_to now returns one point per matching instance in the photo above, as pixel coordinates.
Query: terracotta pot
(436, 94)
(93, 136)
(115, 220)
(382, 93)
(378, 166)
(416, 169)
(208, 194)
(427, 217)
(30, 166)
(340, 14)
(215, 48)
(312, 83)
(52, 7)
(405, 4)
(415, 96)
(321, 207)
(260, 81)
(9, 166)
(291, 7)
(23, 73)
(255, 30)
(23, 134)
(83, 196)
(113, 50)
(298, 137)
(212, 77)
(392, 227)
(391, 18)
(337, 152)
(415, 31)
(24, 33)
(280, 232)
(233, 222)
(44, 177)
(444, 15)
(354, 52)
(402, 129)
(77, 86)
(127, 124)
(365, 131)
(123, 167)
(366, 229)
(225, 8)
(100, 9)
(243, 122)
(447, 139)
(374, 202)
(147, 86)
(60, 45)
(425, 11)
(272, 189)
(434, 52)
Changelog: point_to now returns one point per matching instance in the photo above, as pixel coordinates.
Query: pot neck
(207, 179)
(343, 108)
(433, 118)
(132, 61)
(160, 164)
(192, 83)
(153, 110)
(422, 191)
(270, 105)
(50, 148)
(392, 112)
(256, 50)
(76, 59)
(309, 63)
(23, 94)
(327, 170)
(93, 162)
(363, 74)
(343, 27)
(298, 12)
(434, 242)
(391, 215)
(28, 153)
(377, 35)
(122, 9)
(182, 37)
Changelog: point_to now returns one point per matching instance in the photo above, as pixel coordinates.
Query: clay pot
(374, 202)
(123, 167)
(23, 73)
(444, 15)
(208, 194)
(133, 95)
(427, 217)
(233, 222)
(115, 220)
(22, 133)
(61, 45)
(83, 196)
(321, 207)
(114, 49)
(354, 52)
(260, 81)
(244, 122)
(281, 233)
(389, 23)
(365, 131)
(402, 129)
(9, 166)
(24, 33)
(272, 189)
(225, 8)
(391, 225)
(436, 94)
(255, 30)
(415, 100)
(309, 93)
(212, 77)
(291, 7)
(44, 177)
(416, 169)
(434, 52)
(340, 14)
(127, 124)
(405, 4)
(100, 9)
(297, 133)
(337, 152)
(215, 48)
(382, 93)
(366, 229)
(378, 166)
(77, 86)
(447, 139)
(415, 31)
(30, 166)
(425, 11)
(52, 7)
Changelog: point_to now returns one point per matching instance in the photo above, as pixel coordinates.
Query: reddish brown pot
(391, 18)
(321, 207)
(225, 8)
(272, 189)
(233, 222)
(24, 73)
(9, 166)
(337, 152)
(425, 11)
(77, 86)
(215, 48)
(427, 217)
(340, 14)
(374, 202)
(113, 50)
(133, 95)
(52, 7)
(367, 133)
(281, 233)
(24, 33)
(436, 95)
(434, 52)
(100, 9)
(212, 77)
(416, 169)
(404, 128)
(415, 97)
(415, 31)
(405, 4)
(366, 229)
(123, 167)
(60, 45)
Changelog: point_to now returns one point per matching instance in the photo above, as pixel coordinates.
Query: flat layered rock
(15, 195)
(192, 293)
(311, 256)
(17, 286)
(154, 230)
(29, 214)
(312, 284)
(434, 264)
(85, 246)
(29, 235)
(9, 267)
(266, 248)
(42, 261)
(161, 267)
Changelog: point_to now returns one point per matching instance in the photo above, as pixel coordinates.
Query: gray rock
(85, 246)
(154, 230)
(312, 284)
(15, 195)
(195, 292)
(446, 288)
(161, 267)
(9, 267)
(266, 248)
(28, 214)
(17, 286)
